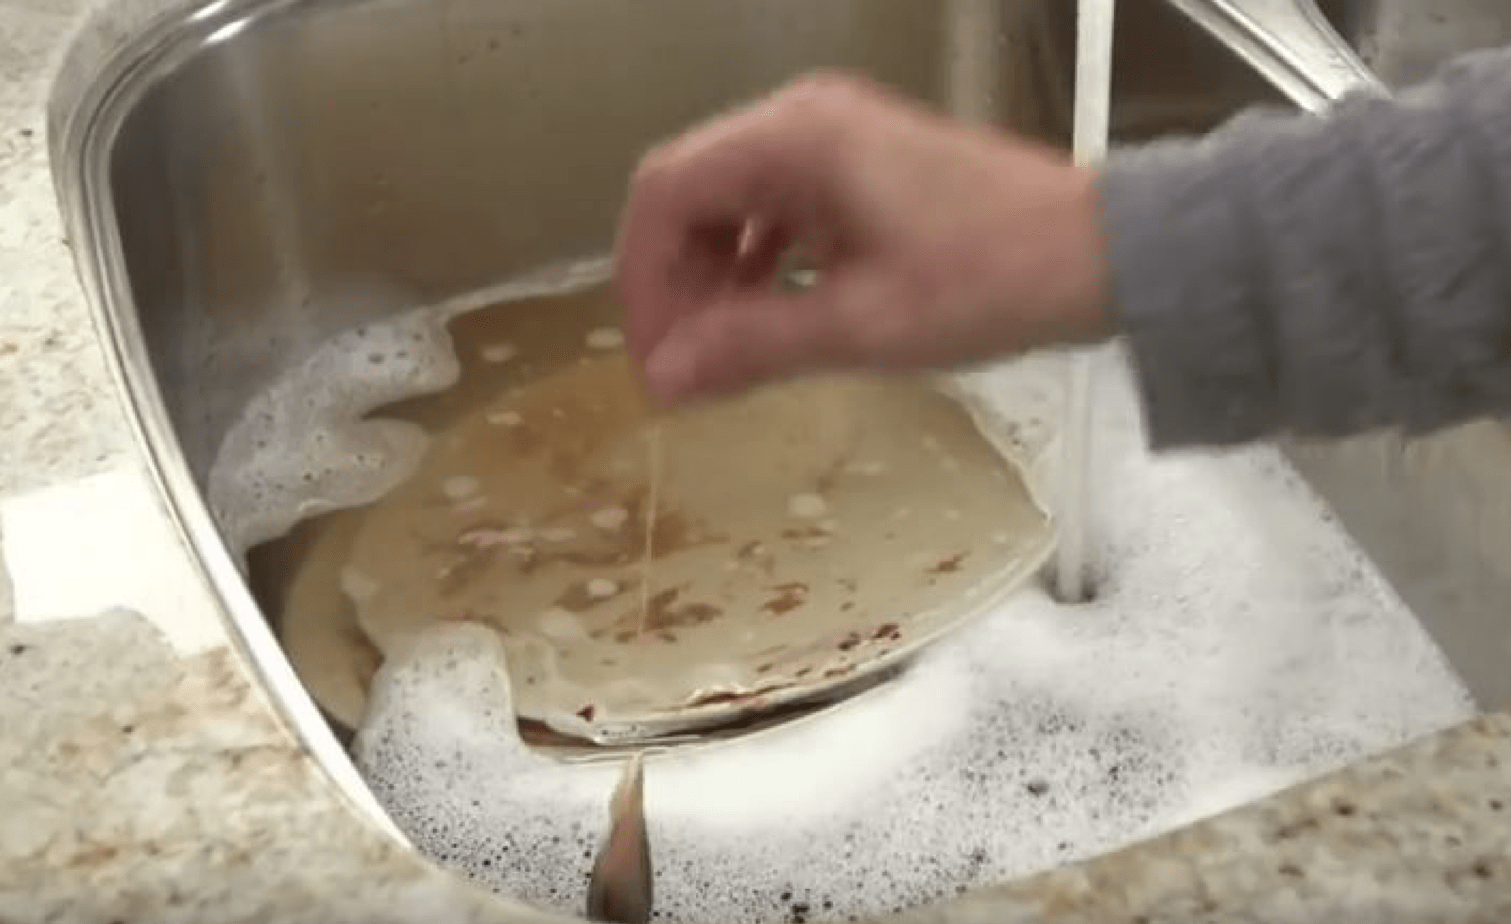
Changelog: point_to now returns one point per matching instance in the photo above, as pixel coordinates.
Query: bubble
(807, 506)
(559, 624)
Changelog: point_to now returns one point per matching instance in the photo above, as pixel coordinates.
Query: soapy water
(302, 447)
(1238, 642)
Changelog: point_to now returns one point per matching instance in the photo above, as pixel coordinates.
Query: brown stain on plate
(949, 564)
(789, 596)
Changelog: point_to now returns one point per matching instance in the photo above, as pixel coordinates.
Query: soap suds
(302, 447)
(1238, 642)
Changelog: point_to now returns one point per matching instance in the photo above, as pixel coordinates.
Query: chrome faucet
(1290, 42)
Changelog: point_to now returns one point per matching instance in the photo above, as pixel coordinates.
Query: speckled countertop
(143, 777)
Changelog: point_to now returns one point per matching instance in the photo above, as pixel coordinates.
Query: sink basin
(254, 177)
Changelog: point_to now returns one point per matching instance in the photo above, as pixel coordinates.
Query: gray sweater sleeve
(1322, 275)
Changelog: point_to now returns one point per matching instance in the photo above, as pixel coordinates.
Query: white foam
(1239, 642)
(302, 447)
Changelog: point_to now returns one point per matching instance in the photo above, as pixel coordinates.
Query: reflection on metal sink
(236, 172)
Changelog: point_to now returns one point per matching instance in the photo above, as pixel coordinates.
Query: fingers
(762, 168)
(746, 339)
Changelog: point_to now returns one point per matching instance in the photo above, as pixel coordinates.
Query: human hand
(938, 244)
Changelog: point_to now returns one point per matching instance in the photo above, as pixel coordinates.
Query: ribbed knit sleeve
(1322, 275)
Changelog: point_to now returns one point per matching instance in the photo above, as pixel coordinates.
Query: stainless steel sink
(232, 172)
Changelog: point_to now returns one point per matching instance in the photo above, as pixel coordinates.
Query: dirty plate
(298, 578)
(804, 536)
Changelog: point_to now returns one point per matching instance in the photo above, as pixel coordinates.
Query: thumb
(743, 340)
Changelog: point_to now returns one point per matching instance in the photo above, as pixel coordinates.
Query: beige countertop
(143, 776)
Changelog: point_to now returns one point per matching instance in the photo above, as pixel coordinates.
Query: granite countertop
(143, 776)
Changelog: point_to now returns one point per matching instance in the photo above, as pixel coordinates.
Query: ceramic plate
(805, 536)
